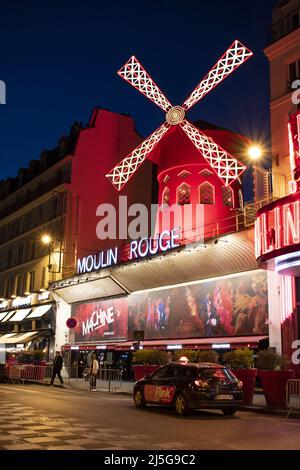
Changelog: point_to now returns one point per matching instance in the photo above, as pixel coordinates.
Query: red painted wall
(109, 138)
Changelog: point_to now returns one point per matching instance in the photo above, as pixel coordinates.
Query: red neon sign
(294, 144)
(278, 227)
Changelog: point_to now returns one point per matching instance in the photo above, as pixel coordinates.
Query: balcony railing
(283, 27)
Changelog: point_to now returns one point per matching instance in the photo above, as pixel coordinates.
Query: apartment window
(31, 281)
(20, 284)
(227, 197)
(32, 250)
(44, 277)
(183, 194)
(295, 21)
(206, 193)
(166, 196)
(9, 287)
(9, 258)
(294, 72)
(20, 253)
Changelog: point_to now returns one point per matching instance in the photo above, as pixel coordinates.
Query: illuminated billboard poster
(231, 306)
(103, 320)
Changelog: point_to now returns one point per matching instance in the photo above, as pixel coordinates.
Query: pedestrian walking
(94, 372)
(57, 367)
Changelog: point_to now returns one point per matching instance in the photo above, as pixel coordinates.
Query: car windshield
(216, 373)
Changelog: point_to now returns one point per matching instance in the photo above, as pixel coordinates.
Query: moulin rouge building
(195, 285)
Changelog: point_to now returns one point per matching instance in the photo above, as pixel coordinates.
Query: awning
(204, 343)
(12, 338)
(38, 312)
(207, 343)
(2, 315)
(20, 314)
(81, 289)
(8, 316)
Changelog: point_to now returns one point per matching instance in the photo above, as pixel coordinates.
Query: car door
(151, 388)
(164, 385)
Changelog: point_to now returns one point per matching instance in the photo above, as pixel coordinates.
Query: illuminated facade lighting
(227, 168)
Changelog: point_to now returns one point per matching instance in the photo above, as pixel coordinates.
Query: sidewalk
(102, 386)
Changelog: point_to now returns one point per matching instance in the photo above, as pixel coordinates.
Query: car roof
(199, 365)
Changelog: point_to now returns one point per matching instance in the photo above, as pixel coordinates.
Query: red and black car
(186, 386)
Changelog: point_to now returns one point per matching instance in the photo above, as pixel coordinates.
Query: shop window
(183, 194)
(206, 173)
(206, 193)
(184, 174)
(166, 196)
(227, 196)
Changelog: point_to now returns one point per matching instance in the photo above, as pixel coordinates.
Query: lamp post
(49, 241)
(261, 177)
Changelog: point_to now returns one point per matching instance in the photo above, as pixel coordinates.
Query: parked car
(187, 386)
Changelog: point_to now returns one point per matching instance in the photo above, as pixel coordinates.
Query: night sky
(59, 60)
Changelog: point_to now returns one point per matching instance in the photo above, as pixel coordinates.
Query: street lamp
(255, 152)
(261, 177)
(49, 241)
(46, 239)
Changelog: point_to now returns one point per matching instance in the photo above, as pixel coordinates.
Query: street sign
(71, 323)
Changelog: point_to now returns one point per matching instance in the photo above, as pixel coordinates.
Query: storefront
(221, 302)
(277, 247)
(278, 251)
(27, 323)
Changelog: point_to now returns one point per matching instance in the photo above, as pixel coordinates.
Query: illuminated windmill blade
(134, 73)
(235, 56)
(122, 172)
(224, 165)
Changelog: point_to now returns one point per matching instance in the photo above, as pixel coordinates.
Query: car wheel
(229, 411)
(139, 399)
(181, 405)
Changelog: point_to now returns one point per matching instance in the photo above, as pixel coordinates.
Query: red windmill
(224, 165)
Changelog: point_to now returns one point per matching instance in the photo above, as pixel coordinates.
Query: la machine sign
(278, 227)
(138, 249)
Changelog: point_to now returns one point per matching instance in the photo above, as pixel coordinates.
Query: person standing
(94, 371)
(57, 367)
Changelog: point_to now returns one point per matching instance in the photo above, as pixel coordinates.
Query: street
(53, 418)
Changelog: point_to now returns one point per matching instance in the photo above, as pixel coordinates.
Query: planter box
(140, 371)
(274, 386)
(247, 376)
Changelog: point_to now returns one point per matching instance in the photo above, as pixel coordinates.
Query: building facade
(48, 219)
(278, 224)
(283, 53)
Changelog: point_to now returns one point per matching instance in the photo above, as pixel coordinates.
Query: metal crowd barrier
(293, 395)
(106, 379)
(20, 373)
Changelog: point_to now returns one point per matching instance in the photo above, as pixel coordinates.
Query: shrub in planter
(274, 373)
(208, 355)
(241, 362)
(190, 354)
(146, 361)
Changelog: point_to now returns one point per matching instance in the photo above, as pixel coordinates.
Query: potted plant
(274, 373)
(190, 354)
(208, 355)
(146, 361)
(241, 362)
